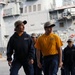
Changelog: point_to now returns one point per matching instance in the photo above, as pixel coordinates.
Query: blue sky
(58, 3)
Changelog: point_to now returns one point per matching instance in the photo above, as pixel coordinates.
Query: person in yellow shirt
(50, 46)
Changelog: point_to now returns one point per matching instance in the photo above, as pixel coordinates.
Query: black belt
(48, 56)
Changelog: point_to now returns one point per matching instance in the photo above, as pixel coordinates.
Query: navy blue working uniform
(69, 60)
(22, 49)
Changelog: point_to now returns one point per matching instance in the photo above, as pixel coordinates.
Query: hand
(39, 64)
(60, 64)
(9, 63)
(31, 61)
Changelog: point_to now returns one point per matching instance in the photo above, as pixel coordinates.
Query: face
(48, 30)
(34, 39)
(20, 28)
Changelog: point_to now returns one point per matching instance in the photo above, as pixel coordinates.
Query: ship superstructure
(64, 18)
(36, 12)
(68, 2)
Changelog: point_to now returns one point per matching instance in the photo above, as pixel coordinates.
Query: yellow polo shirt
(48, 44)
